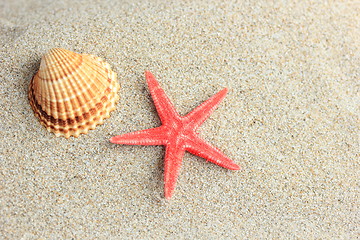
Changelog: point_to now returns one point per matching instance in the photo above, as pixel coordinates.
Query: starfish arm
(164, 107)
(201, 148)
(152, 136)
(197, 116)
(172, 164)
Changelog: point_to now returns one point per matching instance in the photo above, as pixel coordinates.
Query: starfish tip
(113, 140)
(168, 194)
(148, 74)
(223, 92)
(151, 80)
(236, 167)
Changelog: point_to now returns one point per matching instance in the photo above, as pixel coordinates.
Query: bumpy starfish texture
(178, 134)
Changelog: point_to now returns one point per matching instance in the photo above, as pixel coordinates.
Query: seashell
(72, 93)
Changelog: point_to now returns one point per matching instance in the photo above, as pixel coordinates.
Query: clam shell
(72, 93)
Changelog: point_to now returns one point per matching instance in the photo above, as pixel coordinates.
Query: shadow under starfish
(178, 134)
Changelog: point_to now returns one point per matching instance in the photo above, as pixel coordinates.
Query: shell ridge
(100, 69)
(66, 113)
(57, 86)
(74, 85)
(49, 75)
(79, 73)
(46, 100)
(71, 87)
(36, 89)
(80, 102)
(95, 79)
(87, 93)
(54, 59)
(98, 87)
(55, 80)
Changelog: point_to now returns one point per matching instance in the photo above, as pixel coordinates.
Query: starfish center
(177, 129)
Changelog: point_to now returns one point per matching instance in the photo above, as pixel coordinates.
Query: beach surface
(291, 120)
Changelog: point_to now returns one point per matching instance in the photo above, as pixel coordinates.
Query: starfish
(178, 134)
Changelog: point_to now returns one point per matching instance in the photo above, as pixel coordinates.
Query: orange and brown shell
(72, 93)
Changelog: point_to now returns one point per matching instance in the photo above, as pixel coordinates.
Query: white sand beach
(291, 120)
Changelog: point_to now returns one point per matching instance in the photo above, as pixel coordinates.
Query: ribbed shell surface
(72, 93)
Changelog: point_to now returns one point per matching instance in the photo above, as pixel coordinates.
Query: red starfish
(178, 134)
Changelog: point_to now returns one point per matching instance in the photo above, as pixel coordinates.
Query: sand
(291, 119)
